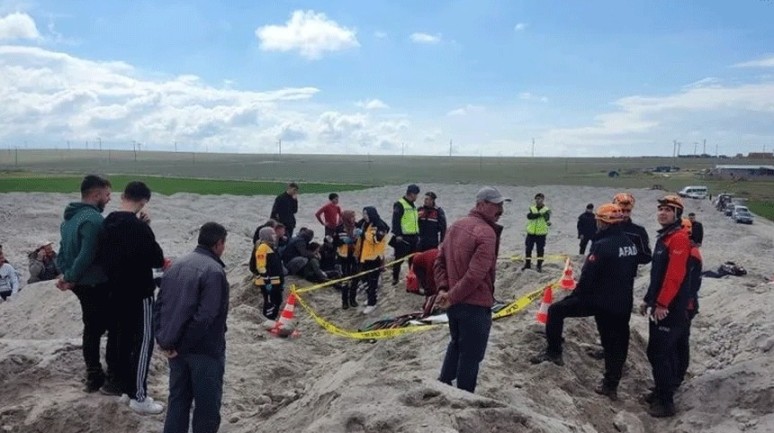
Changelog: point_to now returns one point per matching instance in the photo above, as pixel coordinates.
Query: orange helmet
(671, 200)
(624, 200)
(609, 213)
(687, 225)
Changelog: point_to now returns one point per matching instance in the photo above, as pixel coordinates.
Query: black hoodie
(129, 252)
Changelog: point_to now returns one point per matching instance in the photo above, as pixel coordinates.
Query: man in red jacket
(465, 276)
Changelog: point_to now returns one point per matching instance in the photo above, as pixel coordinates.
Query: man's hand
(63, 285)
(643, 309)
(660, 313)
(144, 216)
(442, 299)
(171, 353)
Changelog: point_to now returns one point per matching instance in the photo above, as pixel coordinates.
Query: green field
(219, 173)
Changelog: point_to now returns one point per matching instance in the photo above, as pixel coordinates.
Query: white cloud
(425, 38)
(464, 111)
(527, 96)
(18, 26)
(308, 32)
(372, 104)
(763, 62)
(380, 35)
(520, 27)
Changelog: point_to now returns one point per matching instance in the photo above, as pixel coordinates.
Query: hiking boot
(345, 305)
(146, 407)
(353, 303)
(608, 391)
(539, 267)
(369, 309)
(659, 409)
(527, 265)
(544, 356)
(110, 388)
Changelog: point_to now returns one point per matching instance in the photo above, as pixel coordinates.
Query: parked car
(742, 215)
(697, 192)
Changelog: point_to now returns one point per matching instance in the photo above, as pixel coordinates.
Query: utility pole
(695, 147)
(279, 144)
(402, 150)
(175, 146)
(704, 147)
(717, 155)
(68, 144)
(99, 139)
(533, 147)
(450, 148)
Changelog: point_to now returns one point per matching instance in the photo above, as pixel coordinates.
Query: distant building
(748, 172)
(761, 155)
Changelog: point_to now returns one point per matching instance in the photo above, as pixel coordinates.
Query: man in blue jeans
(465, 276)
(190, 323)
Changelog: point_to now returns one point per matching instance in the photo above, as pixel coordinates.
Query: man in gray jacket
(190, 323)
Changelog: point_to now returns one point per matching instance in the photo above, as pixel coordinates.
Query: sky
(488, 77)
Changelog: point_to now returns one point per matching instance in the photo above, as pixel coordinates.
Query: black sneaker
(395, 281)
(353, 303)
(547, 356)
(659, 409)
(608, 391)
(345, 305)
(93, 384)
(110, 388)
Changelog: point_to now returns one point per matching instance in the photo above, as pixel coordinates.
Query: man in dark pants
(405, 229)
(666, 304)
(81, 274)
(465, 275)
(190, 322)
(538, 221)
(695, 264)
(697, 230)
(605, 292)
(587, 227)
(129, 252)
(285, 208)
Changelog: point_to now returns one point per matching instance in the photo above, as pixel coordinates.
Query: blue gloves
(358, 232)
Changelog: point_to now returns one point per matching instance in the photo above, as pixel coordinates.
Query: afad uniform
(695, 264)
(270, 279)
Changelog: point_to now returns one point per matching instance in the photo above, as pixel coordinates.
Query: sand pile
(324, 383)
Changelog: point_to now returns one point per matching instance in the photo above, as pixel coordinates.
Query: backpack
(731, 268)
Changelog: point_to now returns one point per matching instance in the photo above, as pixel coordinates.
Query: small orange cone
(567, 282)
(282, 326)
(542, 314)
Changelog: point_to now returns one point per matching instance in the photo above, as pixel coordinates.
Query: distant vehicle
(742, 215)
(697, 192)
(722, 200)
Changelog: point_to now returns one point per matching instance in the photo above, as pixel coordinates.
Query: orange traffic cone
(567, 282)
(542, 314)
(282, 327)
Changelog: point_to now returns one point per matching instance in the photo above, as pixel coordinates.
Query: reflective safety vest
(409, 223)
(368, 248)
(538, 226)
(264, 255)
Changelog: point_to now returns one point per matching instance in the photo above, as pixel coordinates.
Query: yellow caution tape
(351, 277)
(521, 303)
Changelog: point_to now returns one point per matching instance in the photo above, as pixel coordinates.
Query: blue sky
(595, 78)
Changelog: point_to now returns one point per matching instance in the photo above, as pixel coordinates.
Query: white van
(699, 192)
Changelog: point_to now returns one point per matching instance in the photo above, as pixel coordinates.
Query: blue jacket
(192, 306)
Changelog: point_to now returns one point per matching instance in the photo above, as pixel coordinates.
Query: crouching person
(270, 279)
(421, 279)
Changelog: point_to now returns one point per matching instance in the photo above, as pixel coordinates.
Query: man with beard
(80, 233)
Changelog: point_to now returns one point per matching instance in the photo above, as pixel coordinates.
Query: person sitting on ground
(312, 271)
(344, 241)
(328, 260)
(43, 263)
(423, 276)
(297, 253)
(369, 250)
(269, 275)
(727, 268)
(9, 279)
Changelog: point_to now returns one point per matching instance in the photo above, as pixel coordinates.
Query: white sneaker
(369, 309)
(146, 407)
(124, 399)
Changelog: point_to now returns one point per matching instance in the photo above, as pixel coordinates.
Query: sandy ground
(324, 383)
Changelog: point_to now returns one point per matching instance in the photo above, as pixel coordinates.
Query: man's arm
(320, 212)
(439, 269)
(208, 307)
(679, 252)
(149, 249)
(275, 209)
(89, 234)
(442, 223)
(698, 233)
(176, 304)
(397, 215)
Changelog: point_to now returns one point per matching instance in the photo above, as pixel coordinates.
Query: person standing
(190, 323)
(605, 291)
(9, 279)
(697, 230)
(344, 241)
(666, 303)
(538, 221)
(587, 227)
(329, 215)
(80, 233)
(405, 229)
(432, 223)
(371, 233)
(285, 208)
(269, 275)
(635, 232)
(129, 253)
(465, 276)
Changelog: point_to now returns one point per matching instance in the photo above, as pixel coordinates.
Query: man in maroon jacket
(465, 276)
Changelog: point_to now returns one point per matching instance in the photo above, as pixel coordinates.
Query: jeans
(469, 327)
(97, 320)
(194, 378)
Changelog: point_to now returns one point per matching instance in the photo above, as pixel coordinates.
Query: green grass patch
(763, 209)
(168, 185)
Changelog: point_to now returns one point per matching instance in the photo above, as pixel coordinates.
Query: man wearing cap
(465, 277)
(587, 227)
(432, 223)
(635, 232)
(605, 292)
(666, 304)
(538, 221)
(405, 229)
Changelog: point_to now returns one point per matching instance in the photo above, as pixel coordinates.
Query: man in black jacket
(697, 230)
(587, 227)
(129, 252)
(432, 223)
(190, 322)
(285, 208)
(405, 229)
(635, 232)
(605, 292)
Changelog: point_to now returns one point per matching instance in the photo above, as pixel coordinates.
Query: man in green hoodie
(80, 232)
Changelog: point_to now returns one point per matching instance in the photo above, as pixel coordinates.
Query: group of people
(605, 292)
(108, 264)
(42, 266)
(350, 245)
